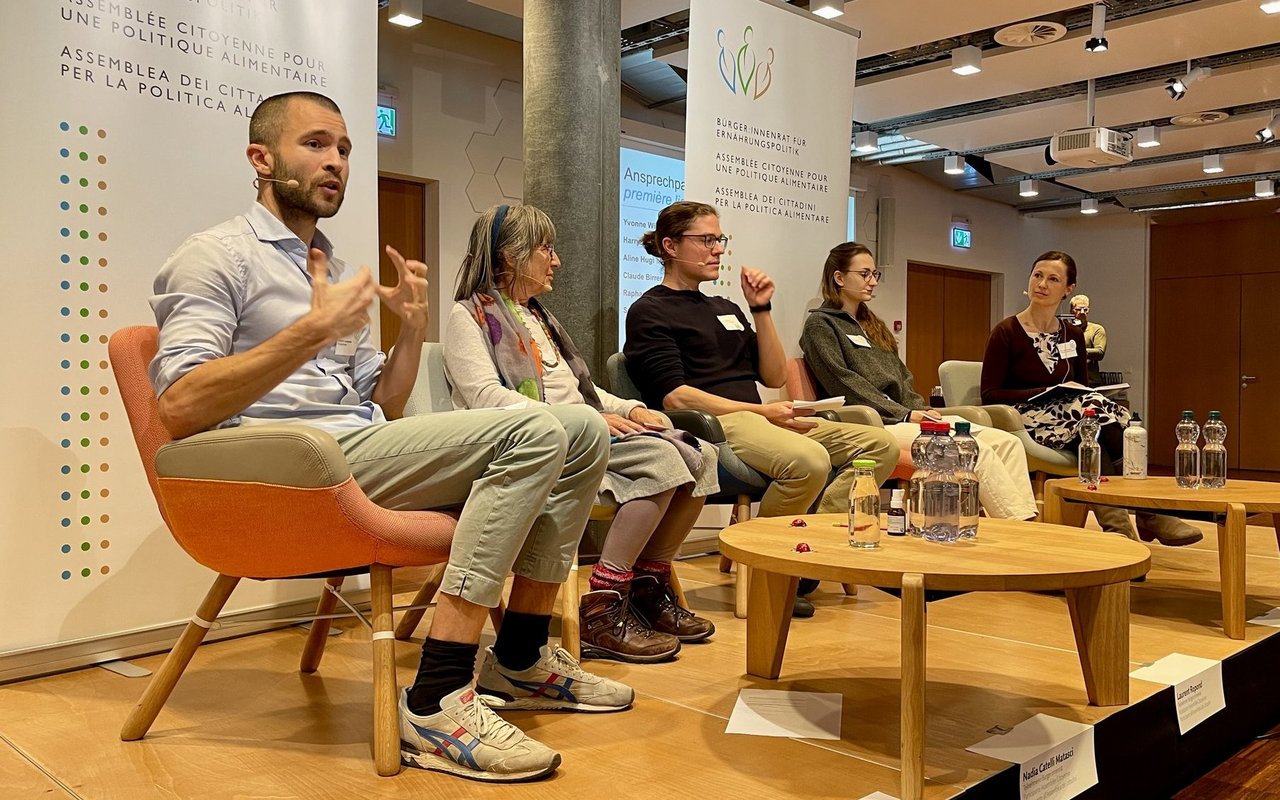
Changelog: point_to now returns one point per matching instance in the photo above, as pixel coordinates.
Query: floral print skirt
(1055, 422)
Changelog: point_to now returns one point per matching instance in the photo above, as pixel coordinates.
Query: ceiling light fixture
(1213, 164)
(866, 142)
(1147, 137)
(1264, 188)
(966, 60)
(405, 13)
(1028, 188)
(953, 165)
(1177, 87)
(1271, 7)
(827, 9)
(1268, 132)
(1097, 43)
(1089, 205)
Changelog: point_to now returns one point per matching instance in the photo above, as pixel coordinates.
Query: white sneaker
(555, 683)
(465, 738)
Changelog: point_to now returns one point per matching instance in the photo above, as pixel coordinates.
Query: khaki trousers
(800, 463)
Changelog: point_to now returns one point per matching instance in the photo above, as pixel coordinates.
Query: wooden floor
(245, 723)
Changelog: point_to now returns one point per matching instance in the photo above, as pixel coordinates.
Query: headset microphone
(291, 183)
(685, 261)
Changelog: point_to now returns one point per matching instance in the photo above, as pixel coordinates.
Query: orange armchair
(266, 502)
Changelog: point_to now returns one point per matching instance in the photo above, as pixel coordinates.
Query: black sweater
(677, 338)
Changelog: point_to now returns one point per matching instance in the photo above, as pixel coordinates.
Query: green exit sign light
(961, 237)
(386, 121)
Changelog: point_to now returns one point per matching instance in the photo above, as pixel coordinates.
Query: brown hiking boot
(655, 604)
(610, 629)
(1171, 531)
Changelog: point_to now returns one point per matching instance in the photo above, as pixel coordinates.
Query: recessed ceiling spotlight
(1147, 137)
(827, 9)
(1097, 42)
(1028, 188)
(1212, 164)
(1089, 205)
(966, 60)
(866, 142)
(1264, 188)
(405, 13)
(1268, 132)
(953, 165)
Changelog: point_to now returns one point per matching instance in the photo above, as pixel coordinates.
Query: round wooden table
(1230, 505)
(1093, 568)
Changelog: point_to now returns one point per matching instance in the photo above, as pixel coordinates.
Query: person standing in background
(1095, 337)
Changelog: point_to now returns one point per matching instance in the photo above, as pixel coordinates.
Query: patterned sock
(520, 639)
(604, 578)
(445, 667)
(658, 569)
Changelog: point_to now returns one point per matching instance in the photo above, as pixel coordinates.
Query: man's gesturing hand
(408, 298)
(339, 309)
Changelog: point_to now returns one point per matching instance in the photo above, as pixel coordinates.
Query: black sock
(520, 638)
(445, 667)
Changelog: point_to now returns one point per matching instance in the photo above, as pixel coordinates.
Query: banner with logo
(767, 138)
(125, 127)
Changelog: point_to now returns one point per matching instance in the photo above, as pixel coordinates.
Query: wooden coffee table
(1094, 569)
(1230, 505)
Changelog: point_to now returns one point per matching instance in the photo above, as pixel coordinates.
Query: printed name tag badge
(1067, 349)
(858, 339)
(345, 347)
(730, 322)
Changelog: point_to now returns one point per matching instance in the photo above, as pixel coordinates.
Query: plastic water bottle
(1213, 462)
(1186, 456)
(1090, 451)
(1135, 450)
(864, 506)
(941, 490)
(915, 486)
(967, 477)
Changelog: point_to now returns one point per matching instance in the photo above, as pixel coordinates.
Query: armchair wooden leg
(677, 589)
(726, 565)
(158, 690)
(386, 716)
(313, 650)
(570, 635)
(741, 591)
(850, 589)
(409, 622)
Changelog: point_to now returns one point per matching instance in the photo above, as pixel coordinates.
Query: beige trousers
(800, 463)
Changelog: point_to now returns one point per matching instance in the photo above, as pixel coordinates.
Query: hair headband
(493, 236)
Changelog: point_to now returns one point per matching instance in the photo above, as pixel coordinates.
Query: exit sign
(386, 121)
(961, 237)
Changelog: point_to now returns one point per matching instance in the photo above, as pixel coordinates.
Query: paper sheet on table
(1270, 619)
(797, 715)
(829, 404)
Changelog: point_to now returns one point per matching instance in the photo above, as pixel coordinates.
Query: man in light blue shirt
(260, 323)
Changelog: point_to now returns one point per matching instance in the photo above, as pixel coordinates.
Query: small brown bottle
(897, 515)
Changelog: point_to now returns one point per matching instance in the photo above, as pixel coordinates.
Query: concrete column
(572, 106)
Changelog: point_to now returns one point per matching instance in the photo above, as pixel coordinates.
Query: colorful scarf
(515, 353)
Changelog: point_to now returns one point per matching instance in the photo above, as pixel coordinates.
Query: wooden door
(402, 208)
(948, 317)
(1195, 357)
(1256, 435)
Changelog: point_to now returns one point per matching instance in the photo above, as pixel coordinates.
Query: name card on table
(1055, 757)
(1196, 682)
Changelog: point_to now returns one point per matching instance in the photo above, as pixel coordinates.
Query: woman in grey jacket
(852, 353)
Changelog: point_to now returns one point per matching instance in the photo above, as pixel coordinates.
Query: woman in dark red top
(1033, 351)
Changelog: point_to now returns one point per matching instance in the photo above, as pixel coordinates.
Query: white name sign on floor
(1196, 682)
(1055, 757)
(797, 715)
(1270, 619)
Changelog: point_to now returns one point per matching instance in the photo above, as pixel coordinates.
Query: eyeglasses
(550, 248)
(865, 274)
(1081, 309)
(709, 240)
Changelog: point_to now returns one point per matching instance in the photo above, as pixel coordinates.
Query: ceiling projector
(1091, 147)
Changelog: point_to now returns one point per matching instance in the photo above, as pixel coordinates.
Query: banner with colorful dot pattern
(126, 126)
